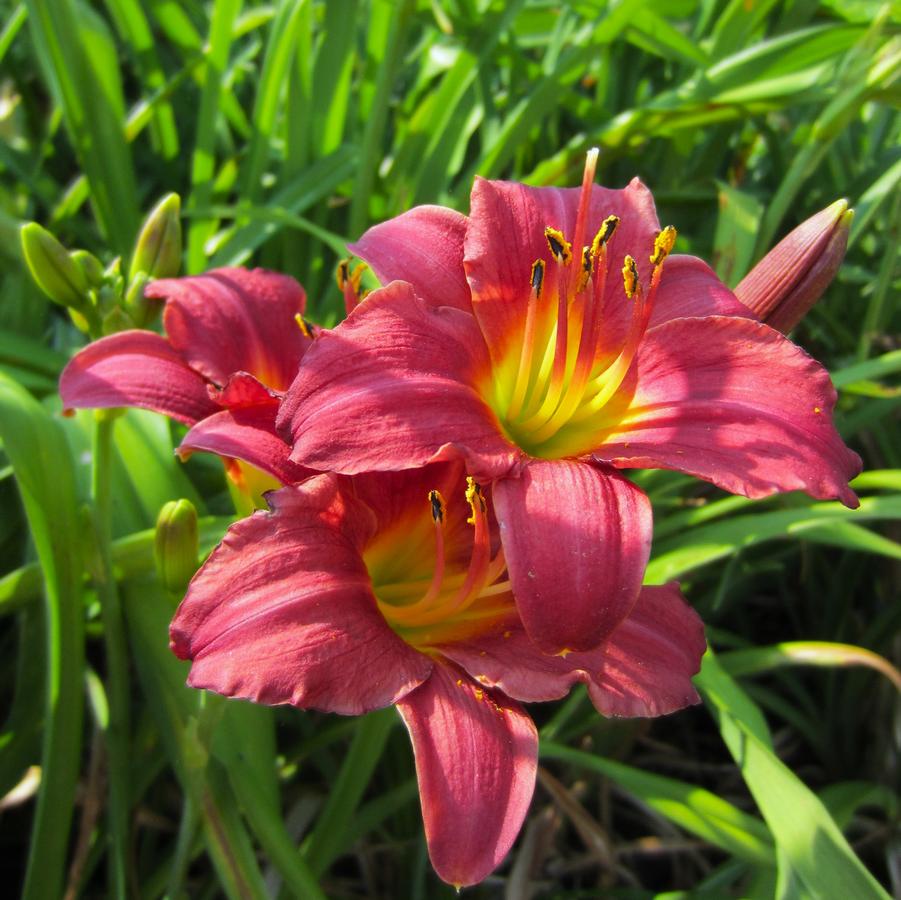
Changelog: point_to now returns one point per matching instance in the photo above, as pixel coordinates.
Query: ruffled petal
(424, 247)
(283, 610)
(643, 669)
(235, 320)
(734, 402)
(392, 387)
(690, 288)
(135, 368)
(246, 433)
(242, 389)
(505, 236)
(576, 540)
(476, 758)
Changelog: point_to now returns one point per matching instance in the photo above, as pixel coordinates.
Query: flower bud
(176, 544)
(90, 266)
(158, 247)
(786, 283)
(52, 268)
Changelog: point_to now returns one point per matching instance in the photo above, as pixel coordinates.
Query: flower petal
(393, 387)
(643, 669)
(690, 288)
(247, 433)
(135, 368)
(235, 320)
(734, 402)
(283, 610)
(476, 758)
(505, 236)
(576, 540)
(424, 247)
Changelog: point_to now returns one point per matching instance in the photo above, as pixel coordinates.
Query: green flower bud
(52, 268)
(158, 247)
(176, 544)
(91, 267)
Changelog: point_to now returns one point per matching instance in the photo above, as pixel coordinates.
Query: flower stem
(117, 735)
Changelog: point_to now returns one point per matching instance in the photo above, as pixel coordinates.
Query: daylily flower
(547, 339)
(781, 289)
(234, 341)
(353, 594)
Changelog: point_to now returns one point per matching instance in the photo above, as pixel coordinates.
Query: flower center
(564, 393)
(459, 599)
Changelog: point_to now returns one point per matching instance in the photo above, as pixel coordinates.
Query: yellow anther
(663, 245)
(357, 276)
(630, 276)
(304, 326)
(537, 277)
(561, 249)
(439, 507)
(605, 232)
(342, 273)
(586, 269)
(475, 499)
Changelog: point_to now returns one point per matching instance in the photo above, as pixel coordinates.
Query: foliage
(287, 129)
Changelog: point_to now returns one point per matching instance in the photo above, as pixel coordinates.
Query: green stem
(117, 678)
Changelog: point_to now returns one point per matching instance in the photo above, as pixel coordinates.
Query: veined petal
(423, 247)
(135, 368)
(505, 236)
(283, 610)
(734, 402)
(408, 372)
(690, 288)
(476, 756)
(247, 433)
(576, 540)
(243, 389)
(643, 669)
(235, 320)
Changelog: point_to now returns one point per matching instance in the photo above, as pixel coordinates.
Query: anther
(474, 498)
(663, 245)
(587, 266)
(439, 507)
(560, 247)
(537, 276)
(342, 273)
(305, 327)
(630, 277)
(605, 232)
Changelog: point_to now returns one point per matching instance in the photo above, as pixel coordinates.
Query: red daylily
(234, 341)
(355, 593)
(547, 339)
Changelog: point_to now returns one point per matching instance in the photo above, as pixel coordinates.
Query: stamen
(605, 232)
(528, 341)
(663, 245)
(439, 507)
(630, 277)
(586, 269)
(349, 283)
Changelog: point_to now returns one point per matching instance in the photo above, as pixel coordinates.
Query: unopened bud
(158, 247)
(785, 284)
(91, 267)
(176, 544)
(52, 268)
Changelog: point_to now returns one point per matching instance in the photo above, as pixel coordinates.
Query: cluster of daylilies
(451, 531)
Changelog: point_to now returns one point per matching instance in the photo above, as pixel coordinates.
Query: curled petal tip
(788, 281)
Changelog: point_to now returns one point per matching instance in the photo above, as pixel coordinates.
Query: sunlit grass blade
(812, 850)
(35, 446)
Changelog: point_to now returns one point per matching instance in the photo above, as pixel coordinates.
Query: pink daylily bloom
(233, 345)
(548, 339)
(355, 593)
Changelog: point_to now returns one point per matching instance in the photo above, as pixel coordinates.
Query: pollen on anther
(474, 498)
(663, 245)
(439, 507)
(536, 279)
(605, 232)
(630, 276)
(560, 247)
(342, 273)
(587, 266)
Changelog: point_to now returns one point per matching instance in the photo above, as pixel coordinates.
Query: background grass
(288, 128)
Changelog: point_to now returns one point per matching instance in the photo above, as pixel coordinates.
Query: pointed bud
(176, 544)
(158, 247)
(91, 267)
(52, 268)
(785, 284)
